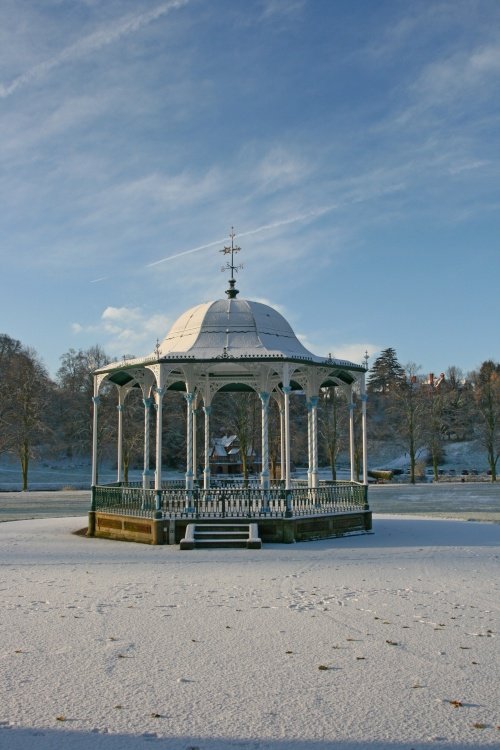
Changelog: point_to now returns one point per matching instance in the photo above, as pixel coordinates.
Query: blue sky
(354, 145)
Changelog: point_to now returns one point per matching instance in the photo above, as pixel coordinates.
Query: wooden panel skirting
(275, 530)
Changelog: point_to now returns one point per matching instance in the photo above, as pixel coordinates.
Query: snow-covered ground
(55, 474)
(466, 455)
(384, 641)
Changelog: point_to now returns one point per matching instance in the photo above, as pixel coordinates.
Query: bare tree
(24, 423)
(274, 438)
(332, 424)
(76, 388)
(133, 430)
(9, 349)
(409, 409)
(487, 400)
(433, 426)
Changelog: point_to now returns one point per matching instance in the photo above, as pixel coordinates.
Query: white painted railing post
(95, 402)
(195, 446)
(264, 477)
(159, 429)
(364, 399)
(288, 480)
(119, 457)
(314, 435)
(282, 440)
(147, 437)
(189, 440)
(351, 433)
(206, 471)
(309, 442)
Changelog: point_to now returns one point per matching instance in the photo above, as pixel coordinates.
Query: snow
(467, 454)
(376, 641)
(56, 473)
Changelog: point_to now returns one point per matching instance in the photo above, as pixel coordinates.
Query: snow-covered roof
(233, 328)
(221, 445)
(228, 330)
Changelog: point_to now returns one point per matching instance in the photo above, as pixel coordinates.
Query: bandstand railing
(228, 499)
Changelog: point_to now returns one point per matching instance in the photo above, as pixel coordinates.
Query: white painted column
(95, 402)
(147, 437)
(119, 458)
(351, 432)
(364, 399)
(282, 439)
(264, 477)
(195, 447)
(189, 441)
(207, 410)
(159, 426)
(286, 394)
(314, 434)
(309, 442)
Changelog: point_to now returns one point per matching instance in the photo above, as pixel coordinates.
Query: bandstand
(237, 345)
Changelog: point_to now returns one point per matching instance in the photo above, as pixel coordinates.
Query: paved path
(470, 500)
(15, 506)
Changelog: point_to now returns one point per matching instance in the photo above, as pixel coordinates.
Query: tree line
(427, 412)
(41, 416)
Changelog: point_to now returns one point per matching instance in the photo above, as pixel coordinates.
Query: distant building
(225, 457)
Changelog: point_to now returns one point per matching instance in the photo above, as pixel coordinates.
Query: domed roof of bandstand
(230, 333)
(233, 328)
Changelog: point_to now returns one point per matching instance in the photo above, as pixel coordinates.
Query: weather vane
(231, 292)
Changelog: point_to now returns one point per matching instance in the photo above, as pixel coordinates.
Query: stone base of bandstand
(271, 530)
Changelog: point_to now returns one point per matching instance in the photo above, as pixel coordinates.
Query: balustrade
(230, 499)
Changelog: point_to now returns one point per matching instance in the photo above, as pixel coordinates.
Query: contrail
(185, 252)
(263, 228)
(95, 41)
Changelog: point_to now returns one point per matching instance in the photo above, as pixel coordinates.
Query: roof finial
(231, 292)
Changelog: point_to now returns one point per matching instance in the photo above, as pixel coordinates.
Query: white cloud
(353, 352)
(457, 80)
(173, 190)
(280, 169)
(273, 8)
(468, 166)
(102, 37)
(126, 330)
(120, 314)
